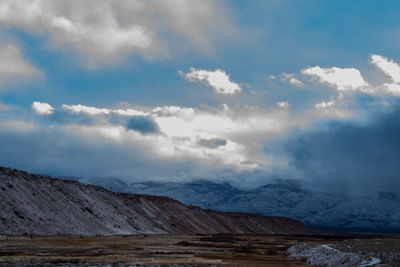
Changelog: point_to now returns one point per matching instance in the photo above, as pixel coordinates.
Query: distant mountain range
(378, 213)
(36, 204)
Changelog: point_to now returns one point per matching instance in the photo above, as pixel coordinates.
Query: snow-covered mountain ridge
(379, 213)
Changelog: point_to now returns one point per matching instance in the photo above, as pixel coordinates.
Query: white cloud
(342, 79)
(323, 104)
(183, 131)
(85, 109)
(390, 68)
(129, 112)
(283, 104)
(97, 111)
(109, 30)
(218, 79)
(392, 88)
(334, 108)
(13, 66)
(290, 77)
(296, 82)
(42, 108)
(350, 80)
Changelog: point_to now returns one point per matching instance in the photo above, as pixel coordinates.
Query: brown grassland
(186, 250)
(219, 250)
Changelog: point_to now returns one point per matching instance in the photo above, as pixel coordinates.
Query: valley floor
(193, 250)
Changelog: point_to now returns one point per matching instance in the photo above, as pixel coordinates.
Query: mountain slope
(36, 204)
(378, 213)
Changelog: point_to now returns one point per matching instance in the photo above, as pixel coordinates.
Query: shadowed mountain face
(376, 213)
(36, 204)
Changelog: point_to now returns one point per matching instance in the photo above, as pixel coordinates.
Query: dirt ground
(173, 250)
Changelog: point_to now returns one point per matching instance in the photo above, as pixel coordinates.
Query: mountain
(377, 213)
(35, 204)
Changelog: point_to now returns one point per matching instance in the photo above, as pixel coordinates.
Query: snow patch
(328, 256)
(373, 261)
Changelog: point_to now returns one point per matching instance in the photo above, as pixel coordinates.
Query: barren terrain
(35, 204)
(220, 250)
(193, 250)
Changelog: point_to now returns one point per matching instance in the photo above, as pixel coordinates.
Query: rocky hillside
(34, 204)
(374, 213)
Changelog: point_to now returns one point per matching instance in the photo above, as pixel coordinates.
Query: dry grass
(181, 250)
(185, 250)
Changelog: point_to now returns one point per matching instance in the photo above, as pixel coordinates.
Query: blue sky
(181, 90)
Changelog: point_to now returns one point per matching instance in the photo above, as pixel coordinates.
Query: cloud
(348, 156)
(14, 67)
(85, 109)
(286, 76)
(217, 79)
(323, 104)
(142, 124)
(19, 125)
(224, 139)
(390, 68)
(289, 77)
(227, 136)
(53, 151)
(212, 143)
(342, 79)
(42, 108)
(350, 80)
(335, 109)
(296, 82)
(213, 136)
(4, 107)
(96, 111)
(344, 156)
(106, 31)
(283, 104)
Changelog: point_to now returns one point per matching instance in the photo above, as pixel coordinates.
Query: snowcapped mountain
(380, 213)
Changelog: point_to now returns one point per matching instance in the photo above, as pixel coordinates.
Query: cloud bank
(347, 156)
(107, 31)
(341, 142)
(212, 136)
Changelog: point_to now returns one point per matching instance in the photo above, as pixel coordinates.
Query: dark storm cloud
(55, 152)
(143, 125)
(349, 157)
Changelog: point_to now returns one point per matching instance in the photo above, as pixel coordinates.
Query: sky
(242, 92)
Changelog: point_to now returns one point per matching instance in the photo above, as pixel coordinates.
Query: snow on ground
(328, 256)
(373, 261)
(281, 198)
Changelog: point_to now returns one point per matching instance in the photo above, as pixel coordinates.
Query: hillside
(378, 212)
(35, 204)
